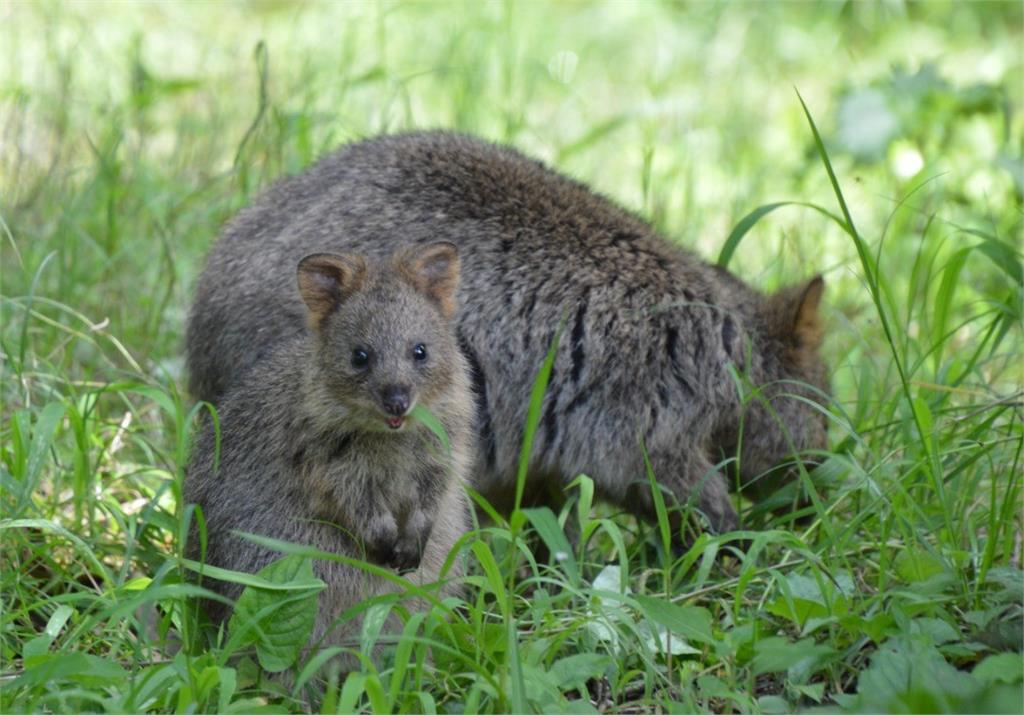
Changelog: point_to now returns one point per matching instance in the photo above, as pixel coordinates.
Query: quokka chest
(390, 472)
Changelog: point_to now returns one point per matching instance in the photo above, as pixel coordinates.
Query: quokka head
(785, 421)
(384, 339)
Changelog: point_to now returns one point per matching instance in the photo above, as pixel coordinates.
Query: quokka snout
(319, 441)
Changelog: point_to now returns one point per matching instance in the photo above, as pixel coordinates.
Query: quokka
(652, 340)
(318, 446)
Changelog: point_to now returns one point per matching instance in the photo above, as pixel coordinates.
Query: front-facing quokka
(318, 446)
(653, 337)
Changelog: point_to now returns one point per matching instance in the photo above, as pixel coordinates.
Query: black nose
(396, 400)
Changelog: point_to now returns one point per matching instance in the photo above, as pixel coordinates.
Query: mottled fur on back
(310, 452)
(651, 333)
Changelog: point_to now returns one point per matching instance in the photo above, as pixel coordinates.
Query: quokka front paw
(381, 539)
(407, 554)
(717, 508)
(409, 549)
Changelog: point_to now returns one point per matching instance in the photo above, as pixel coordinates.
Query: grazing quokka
(318, 446)
(652, 333)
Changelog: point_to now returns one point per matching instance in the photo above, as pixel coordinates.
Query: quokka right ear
(326, 280)
(434, 270)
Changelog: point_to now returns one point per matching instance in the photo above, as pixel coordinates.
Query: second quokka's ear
(793, 313)
(328, 279)
(434, 271)
(806, 326)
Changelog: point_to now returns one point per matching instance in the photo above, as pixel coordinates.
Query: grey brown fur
(307, 453)
(650, 332)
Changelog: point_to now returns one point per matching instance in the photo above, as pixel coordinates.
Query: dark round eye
(360, 358)
(419, 352)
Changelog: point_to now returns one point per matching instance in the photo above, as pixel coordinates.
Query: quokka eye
(419, 353)
(360, 358)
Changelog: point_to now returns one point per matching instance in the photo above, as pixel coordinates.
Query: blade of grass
(871, 275)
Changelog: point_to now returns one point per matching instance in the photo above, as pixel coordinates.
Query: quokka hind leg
(542, 490)
(686, 486)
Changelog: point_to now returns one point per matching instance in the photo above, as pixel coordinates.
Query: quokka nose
(396, 400)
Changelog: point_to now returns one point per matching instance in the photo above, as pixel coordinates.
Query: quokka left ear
(792, 314)
(328, 279)
(433, 270)
(807, 327)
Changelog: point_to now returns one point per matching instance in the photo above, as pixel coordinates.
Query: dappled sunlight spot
(906, 161)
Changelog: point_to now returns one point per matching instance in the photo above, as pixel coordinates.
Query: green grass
(129, 134)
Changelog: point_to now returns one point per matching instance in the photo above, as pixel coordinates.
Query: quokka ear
(806, 326)
(326, 280)
(434, 271)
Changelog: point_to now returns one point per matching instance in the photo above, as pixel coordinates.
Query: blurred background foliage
(129, 132)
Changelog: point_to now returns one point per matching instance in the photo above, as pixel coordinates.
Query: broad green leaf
(35, 650)
(713, 687)
(936, 629)
(539, 688)
(659, 640)
(691, 622)
(804, 597)
(814, 691)
(279, 622)
(914, 565)
(78, 667)
(137, 584)
(773, 705)
(56, 623)
(1000, 668)
(228, 681)
(797, 610)
(254, 706)
(490, 566)
(774, 655)
(549, 530)
(610, 579)
(205, 682)
(906, 675)
(876, 627)
(575, 670)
